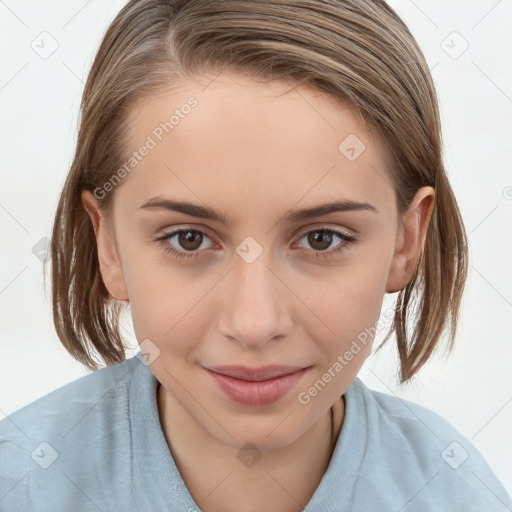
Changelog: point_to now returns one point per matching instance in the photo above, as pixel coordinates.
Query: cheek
(168, 304)
(350, 295)
(347, 303)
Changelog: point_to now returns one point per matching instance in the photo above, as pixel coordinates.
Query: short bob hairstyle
(358, 51)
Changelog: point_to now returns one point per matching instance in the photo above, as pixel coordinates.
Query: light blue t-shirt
(96, 444)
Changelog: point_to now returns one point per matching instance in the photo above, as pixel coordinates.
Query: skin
(255, 152)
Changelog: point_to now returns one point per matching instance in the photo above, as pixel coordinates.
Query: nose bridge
(255, 309)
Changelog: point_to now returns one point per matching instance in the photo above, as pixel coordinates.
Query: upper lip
(255, 374)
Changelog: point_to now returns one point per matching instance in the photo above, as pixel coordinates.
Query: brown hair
(355, 50)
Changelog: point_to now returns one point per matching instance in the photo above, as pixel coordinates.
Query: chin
(261, 434)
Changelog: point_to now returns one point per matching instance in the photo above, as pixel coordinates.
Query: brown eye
(321, 239)
(186, 244)
(190, 240)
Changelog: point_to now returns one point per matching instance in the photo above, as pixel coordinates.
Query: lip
(256, 386)
(255, 374)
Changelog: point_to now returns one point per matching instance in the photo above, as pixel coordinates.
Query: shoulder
(35, 436)
(68, 402)
(425, 458)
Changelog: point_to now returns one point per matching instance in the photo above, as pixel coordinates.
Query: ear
(110, 264)
(410, 239)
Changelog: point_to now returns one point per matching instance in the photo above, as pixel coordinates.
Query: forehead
(226, 137)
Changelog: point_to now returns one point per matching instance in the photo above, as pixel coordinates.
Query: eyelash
(345, 241)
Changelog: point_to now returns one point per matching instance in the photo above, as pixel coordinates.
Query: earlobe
(411, 240)
(110, 264)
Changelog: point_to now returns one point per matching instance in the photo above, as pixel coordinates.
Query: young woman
(251, 178)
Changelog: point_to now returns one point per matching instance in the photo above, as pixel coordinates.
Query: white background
(39, 102)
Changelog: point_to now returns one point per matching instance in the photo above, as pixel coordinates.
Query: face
(246, 276)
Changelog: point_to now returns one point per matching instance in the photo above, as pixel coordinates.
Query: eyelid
(319, 226)
(184, 227)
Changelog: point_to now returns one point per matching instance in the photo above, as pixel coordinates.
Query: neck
(281, 480)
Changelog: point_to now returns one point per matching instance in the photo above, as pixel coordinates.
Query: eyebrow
(205, 212)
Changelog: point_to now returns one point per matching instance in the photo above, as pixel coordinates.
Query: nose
(256, 305)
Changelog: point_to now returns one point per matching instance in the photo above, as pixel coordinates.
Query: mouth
(256, 386)
(255, 374)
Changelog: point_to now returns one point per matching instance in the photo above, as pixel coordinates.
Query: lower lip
(257, 393)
